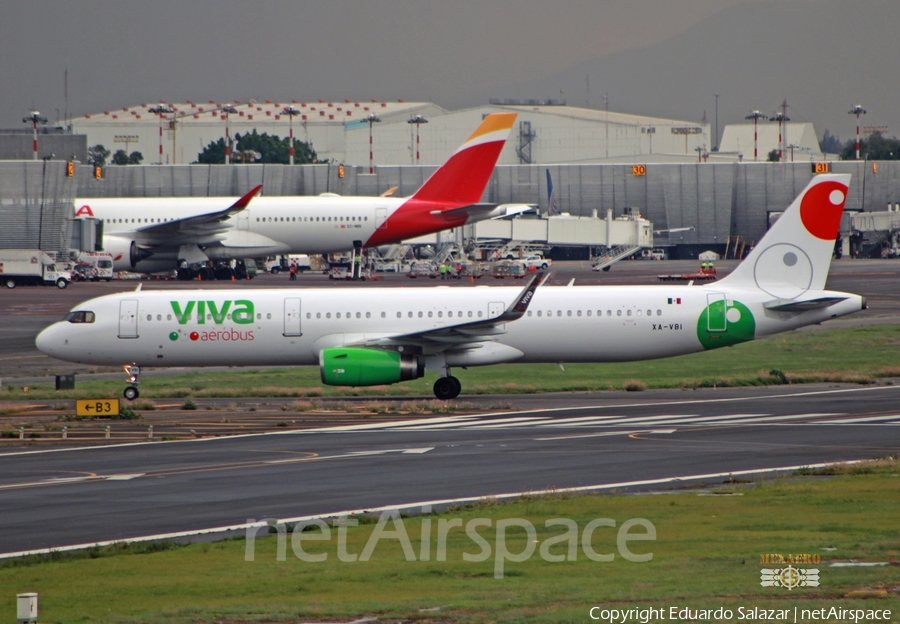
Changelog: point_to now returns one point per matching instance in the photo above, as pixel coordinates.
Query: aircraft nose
(47, 341)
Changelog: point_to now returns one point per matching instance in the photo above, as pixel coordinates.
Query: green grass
(858, 355)
(706, 555)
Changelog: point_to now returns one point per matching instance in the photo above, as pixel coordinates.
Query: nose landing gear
(132, 392)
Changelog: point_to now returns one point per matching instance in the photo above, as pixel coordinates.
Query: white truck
(94, 266)
(31, 266)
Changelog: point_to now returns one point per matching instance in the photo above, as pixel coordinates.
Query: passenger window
(539, 314)
(618, 312)
(659, 313)
(268, 316)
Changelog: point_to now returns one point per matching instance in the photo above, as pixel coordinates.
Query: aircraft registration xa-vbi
(374, 336)
(157, 234)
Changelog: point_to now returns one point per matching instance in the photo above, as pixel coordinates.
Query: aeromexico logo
(239, 312)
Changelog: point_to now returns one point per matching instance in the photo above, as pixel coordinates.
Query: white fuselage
(269, 226)
(293, 326)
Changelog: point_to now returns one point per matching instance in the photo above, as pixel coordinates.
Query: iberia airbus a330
(380, 336)
(152, 235)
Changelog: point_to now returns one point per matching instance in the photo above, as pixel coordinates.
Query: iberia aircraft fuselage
(160, 234)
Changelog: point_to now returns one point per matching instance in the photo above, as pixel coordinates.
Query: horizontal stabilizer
(789, 305)
(480, 212)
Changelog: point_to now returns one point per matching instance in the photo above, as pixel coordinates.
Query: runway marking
(351, 455)
(856, 420)
(252, 524)
(607, 433)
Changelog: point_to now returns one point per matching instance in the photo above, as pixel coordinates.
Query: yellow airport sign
(97, 408)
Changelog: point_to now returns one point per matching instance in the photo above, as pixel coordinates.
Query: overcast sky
(122, 52)
(456, 53)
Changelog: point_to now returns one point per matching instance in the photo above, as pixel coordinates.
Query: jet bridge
(872, 234)
(612, 238)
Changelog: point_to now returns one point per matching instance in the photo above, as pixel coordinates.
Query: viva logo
(725, 322)
(242, 311)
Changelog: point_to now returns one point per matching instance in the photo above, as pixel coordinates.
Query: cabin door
(128, 311)
(292, 317)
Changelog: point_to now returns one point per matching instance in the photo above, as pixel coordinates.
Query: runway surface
(61, 497)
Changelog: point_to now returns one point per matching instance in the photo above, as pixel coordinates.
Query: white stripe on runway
(855, 420)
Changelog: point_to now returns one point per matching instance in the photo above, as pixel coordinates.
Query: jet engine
(126, 253)
(356, 366)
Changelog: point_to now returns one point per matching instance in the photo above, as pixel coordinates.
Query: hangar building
(546, 132)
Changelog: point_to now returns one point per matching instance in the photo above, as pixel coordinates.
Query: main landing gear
(447, 387)
(132, 392)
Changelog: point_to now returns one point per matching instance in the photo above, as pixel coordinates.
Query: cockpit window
(80, 316)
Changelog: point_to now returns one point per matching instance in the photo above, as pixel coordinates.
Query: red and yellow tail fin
(462, 179)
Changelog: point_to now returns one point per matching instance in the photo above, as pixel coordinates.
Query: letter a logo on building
(84, 211)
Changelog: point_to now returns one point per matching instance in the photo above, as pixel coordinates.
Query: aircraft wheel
(131, 393)
(447, 388)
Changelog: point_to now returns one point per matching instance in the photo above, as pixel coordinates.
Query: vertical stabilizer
(461, 180)
(794, 255)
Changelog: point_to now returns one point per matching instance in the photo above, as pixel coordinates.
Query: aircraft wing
(481, 212)
(197, 228)
(467, 334)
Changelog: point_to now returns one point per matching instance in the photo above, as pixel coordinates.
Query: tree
(830, 144)
(773, 156)
(875, 147)
(97, 155)
(272, 149)
(121, 158)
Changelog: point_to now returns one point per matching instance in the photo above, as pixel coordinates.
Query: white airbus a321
(157, 234)
(374, 336)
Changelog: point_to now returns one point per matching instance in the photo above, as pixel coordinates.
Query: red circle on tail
(821, 209)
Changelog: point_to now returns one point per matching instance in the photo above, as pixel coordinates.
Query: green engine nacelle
(354, 366)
